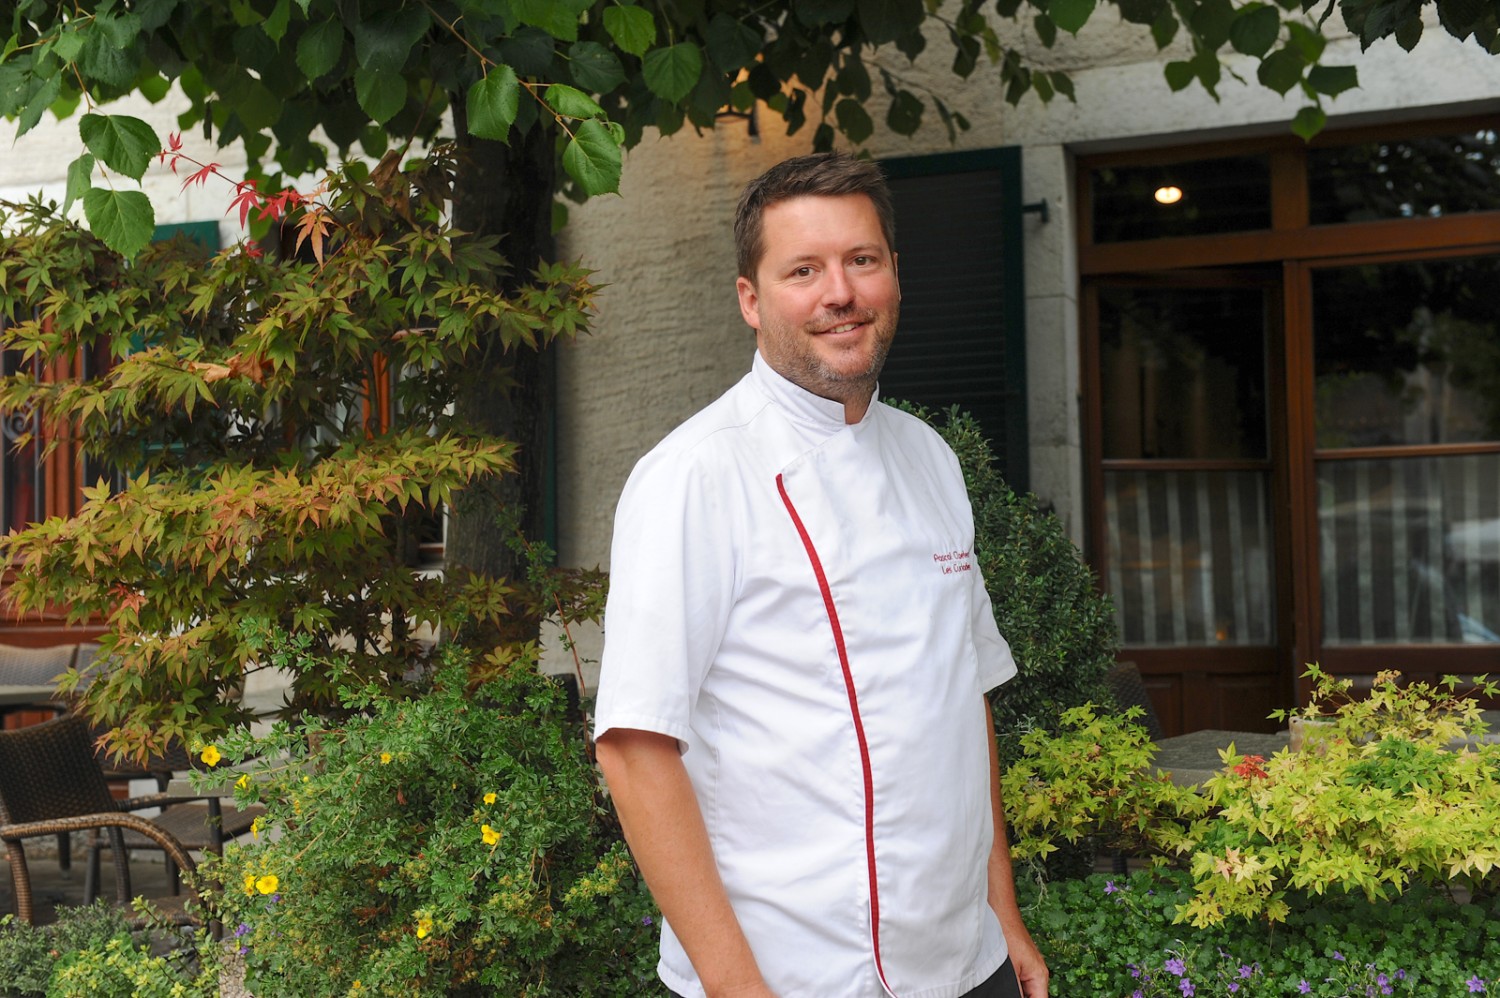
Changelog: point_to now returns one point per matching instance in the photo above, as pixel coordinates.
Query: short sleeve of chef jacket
(672, 582)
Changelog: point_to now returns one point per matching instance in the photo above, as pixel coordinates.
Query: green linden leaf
(556, 18)
(632, 28)
(319, 47)
(905, 114)
(1070, 15)
(1332, 80)
(592, 159)
(380, 94)
(37, 102)
(123, 220)
(492, 104)
(732, 44)
(1309, 42)
(594, 67)
(1281, 70)
(1212, 21)
(672, 72)
(854, 120)
(120, 142)
(275, 25)
(1179, 74)
(1254, 30)
(385, 41)
(79, 173)
(571, 102)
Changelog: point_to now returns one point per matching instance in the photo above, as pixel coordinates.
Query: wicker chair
(199, 826)
(50, 783)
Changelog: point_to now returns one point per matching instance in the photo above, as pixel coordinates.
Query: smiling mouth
(843, 327)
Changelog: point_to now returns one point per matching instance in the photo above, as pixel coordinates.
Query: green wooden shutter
(962, 338)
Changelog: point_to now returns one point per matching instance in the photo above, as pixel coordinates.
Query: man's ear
(749, 302)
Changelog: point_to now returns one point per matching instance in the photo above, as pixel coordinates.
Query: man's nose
(838, 290)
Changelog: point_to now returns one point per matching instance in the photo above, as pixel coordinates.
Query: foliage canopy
(595, 75)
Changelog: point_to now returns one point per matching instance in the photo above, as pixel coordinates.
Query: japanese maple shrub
(278, 423)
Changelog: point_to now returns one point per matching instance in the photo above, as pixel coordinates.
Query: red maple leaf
(278, 205)
(174, 144)
(245, 198)
(200, 177)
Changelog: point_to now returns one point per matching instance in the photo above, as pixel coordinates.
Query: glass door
(1405, 462)
(1186, 476)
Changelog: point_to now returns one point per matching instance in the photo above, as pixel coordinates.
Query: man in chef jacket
(791, 713)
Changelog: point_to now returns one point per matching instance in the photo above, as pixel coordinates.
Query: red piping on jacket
(859, 727)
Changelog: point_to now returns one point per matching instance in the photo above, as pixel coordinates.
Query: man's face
(825, 300)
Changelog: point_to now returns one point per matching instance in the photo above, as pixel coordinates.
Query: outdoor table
(1192, 758)
(27, 695)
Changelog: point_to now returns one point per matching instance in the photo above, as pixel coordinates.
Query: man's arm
(1031, 969)
(664, 826)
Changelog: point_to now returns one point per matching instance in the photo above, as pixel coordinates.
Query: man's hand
(664, 826)
(1031, 969)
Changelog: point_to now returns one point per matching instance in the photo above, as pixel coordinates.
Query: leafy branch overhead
(273, 74)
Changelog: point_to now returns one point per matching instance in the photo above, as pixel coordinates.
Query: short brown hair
(822, 174)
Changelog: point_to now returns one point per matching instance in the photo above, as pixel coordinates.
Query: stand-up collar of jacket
(812, 411)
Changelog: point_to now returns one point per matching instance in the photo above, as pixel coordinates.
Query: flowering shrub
(446, 845)
(1380, 801)
(1092, 779)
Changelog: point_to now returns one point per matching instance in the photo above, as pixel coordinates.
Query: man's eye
(863, 261)
(802, 272)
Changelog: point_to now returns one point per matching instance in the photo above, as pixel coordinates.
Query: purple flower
(1400, 974)
(1187, 989)
(1337, 955)
(1246, 971)
(1109, 887)
(1137, 993)
(645, 919)
(1303, 987)
(241, 930)
(1382, 980)
(1475, 985)
(1175, 966)
(1135, 971)
(1234, 986)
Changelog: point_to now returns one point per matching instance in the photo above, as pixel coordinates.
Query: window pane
(1183, 372)
(1407, 353)
(1189, 557)
(1410, 550)
(1232, 194)
(1409, 178)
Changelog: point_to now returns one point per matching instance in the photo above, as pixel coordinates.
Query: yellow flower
(385, 757)
(250, 884)
(267, 884)
(489, 835)
(243, 782)
(489, 798)
(255, 829)
(211, 755)
(424, 926)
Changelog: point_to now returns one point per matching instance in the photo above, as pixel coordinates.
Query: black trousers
(1002, 984)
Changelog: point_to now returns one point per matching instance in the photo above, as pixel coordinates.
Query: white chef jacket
(797, 602)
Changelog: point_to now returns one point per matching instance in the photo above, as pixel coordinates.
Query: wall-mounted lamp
(1168, 194)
